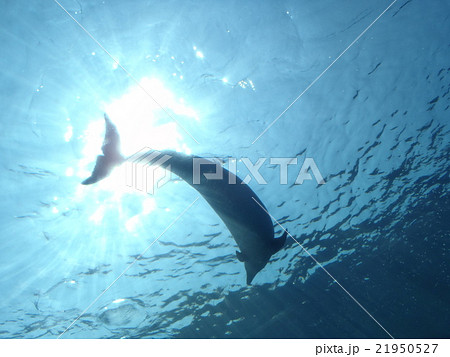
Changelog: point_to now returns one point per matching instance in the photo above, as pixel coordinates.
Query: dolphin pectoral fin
(278, 243)
(241, 256)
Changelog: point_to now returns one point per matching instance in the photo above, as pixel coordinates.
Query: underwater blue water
(376, 125)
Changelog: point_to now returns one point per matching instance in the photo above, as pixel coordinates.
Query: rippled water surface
(375, 123)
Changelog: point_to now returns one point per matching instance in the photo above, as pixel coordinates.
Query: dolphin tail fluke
(111, 143)
(100, 171)
(111, 154)
(279, 242)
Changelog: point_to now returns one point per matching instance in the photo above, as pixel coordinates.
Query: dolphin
(235, 203)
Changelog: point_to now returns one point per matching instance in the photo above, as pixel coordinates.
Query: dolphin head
(252, 268)
(254, 264)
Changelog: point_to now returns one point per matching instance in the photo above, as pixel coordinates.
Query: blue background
(376, 125)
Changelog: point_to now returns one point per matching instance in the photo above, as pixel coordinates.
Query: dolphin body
(234, 201)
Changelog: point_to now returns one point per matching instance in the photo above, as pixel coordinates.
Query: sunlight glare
(141, 123)
(68, 134)
(132, 223)
(98, 215)
(138, 117)
(148, 205)
(69, 171)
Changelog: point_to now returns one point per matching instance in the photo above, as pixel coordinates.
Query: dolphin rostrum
(234, 201)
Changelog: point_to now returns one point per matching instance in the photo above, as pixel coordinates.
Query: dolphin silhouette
(234, 201)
